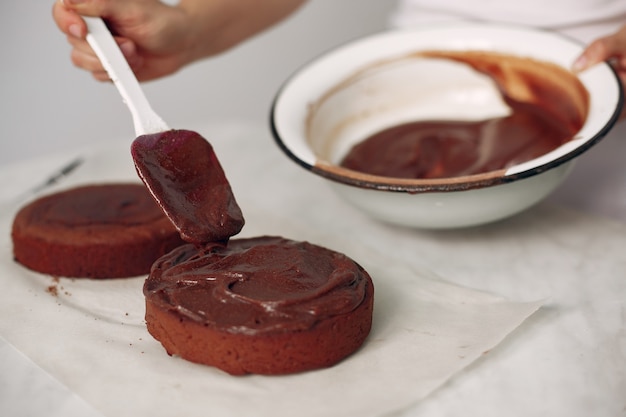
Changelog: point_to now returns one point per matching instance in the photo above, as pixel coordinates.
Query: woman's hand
(158, 39)
(151, 35)
(610, 48)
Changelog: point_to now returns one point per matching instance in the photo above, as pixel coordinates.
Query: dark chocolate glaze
(445, 149)
(182, 172)
(548, 115)
(257, 285)
(119, 204)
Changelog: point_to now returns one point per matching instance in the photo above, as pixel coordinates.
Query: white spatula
(179, 167)
(101, 40)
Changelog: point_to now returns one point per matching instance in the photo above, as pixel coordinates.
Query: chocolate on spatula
(179, 167)
(182, 172)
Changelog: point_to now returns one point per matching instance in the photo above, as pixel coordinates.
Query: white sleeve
(584, 20)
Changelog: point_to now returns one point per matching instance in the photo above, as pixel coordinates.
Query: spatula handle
(145, 119)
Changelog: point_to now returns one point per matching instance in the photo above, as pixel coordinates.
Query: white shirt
(584, 20)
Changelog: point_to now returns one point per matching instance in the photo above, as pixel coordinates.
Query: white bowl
(380, 98)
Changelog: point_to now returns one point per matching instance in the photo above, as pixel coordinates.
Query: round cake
(93, 231)
(264, 305)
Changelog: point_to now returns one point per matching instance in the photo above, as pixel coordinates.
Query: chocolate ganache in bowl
(445, 126)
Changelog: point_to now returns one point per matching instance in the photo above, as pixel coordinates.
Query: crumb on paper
(53, 289)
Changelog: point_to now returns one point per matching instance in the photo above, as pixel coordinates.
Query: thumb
(602, 49)
(595, 53)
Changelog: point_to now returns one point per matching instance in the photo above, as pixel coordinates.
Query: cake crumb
(52, 289)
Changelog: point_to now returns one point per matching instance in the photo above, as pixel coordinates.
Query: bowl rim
(460, 183)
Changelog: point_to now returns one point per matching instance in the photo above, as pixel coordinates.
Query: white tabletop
(568, 359)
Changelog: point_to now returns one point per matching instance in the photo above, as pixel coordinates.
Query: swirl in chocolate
(445, 149)
(549, 105)
(257, 285)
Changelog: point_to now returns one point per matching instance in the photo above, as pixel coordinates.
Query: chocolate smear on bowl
(549, 106)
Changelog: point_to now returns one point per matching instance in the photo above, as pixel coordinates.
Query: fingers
(611, 47)
(153, 36)
(595, 53)
(101, 8)
(82, 55)
(68, 21)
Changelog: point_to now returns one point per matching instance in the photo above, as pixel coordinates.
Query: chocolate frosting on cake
(264, 305)
(97, 231)
(120, 204)
(257, 285)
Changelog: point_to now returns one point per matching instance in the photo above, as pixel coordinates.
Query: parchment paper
(91, 336)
